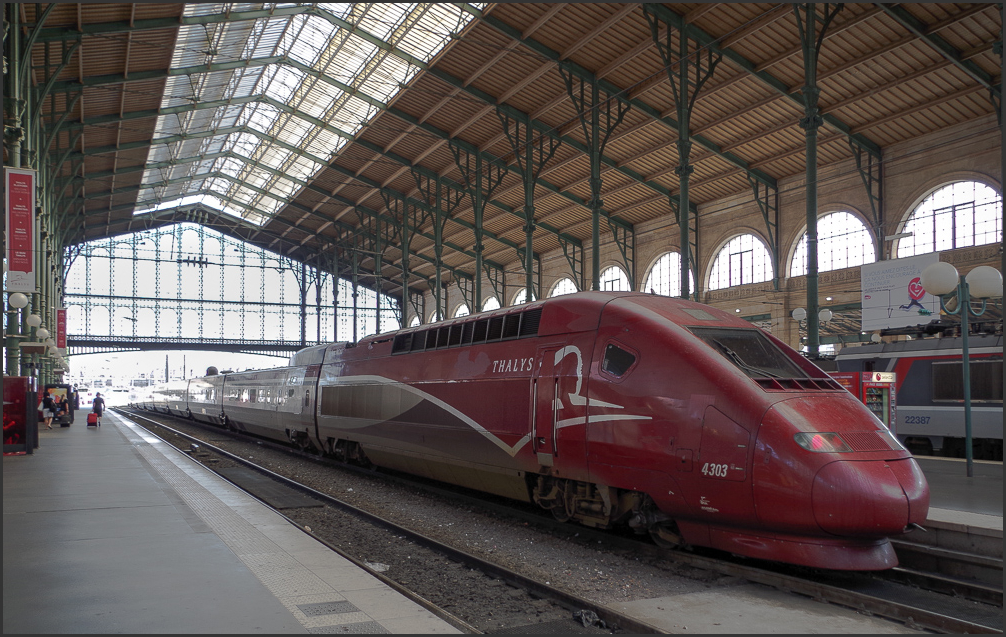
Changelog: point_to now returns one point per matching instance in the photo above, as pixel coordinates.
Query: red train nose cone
(869, 498)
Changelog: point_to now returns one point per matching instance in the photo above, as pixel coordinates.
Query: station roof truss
(293, 126)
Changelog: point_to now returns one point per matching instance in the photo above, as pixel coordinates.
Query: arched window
(492, 303)
(521, 297)
(966, 213)
(414, 322)
(436, 316)
(564, 286)
(665, 276)
(843, 241)
(461, 310)
(744, 259)
(614, 280)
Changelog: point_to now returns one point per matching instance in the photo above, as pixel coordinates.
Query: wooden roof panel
(876, 77)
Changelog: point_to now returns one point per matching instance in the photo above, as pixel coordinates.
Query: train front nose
(869, 497)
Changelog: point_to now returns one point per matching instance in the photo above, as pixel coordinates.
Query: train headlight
(822, 442)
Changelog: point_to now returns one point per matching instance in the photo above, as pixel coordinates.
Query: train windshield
(750, 351)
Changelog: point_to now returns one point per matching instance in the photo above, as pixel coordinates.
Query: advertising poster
(20, 210)
(61, 328)
(892, 293)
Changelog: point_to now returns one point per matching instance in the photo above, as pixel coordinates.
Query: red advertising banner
(20, 191)
(61, 328)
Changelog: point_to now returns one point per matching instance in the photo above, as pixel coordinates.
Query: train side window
(418, 341)
(480, 331)
(495, 329)
(455, 335)
(403, 342)
(617, 361)
(467, 331)
(986, 381)
(443, 334)
(511, 326)
(529, 322)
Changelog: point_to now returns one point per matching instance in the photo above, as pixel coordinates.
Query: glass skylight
(245, 138)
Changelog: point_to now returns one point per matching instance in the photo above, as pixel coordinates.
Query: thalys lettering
(672, 418)
(512, 365)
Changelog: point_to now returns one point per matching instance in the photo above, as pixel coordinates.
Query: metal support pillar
(303, 303)
(767, 199)
(872, 173)
(481, 180)
(531, 155)
(356, 286)
(335, 293)
(679, 63)
(811, 41)
(442, 201)
(574, 257)
(497, 281)
(588, 110)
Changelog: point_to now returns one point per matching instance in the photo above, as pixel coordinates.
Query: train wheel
(666, 535)
(562, 510)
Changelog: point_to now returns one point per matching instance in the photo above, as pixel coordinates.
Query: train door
(544, 387)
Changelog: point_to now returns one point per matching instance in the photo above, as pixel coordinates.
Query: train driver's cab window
(751, 351)
(617, 361)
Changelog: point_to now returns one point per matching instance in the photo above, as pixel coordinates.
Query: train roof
(579, 312)
(945, 346)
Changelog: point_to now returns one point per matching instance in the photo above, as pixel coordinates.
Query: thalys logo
(574, 398)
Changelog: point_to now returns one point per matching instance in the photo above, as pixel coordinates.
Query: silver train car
(930, 391)
(272, 403)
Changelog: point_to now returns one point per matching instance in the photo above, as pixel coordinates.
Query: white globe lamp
(984, 282)
(799, 314)
(33, 320)
(940, 278)
(42, 333)
(17, 300)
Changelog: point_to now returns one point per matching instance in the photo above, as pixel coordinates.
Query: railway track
(916, 598)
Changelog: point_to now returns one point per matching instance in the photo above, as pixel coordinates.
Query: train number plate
(714, 470)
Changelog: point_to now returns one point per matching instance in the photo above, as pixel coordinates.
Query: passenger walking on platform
(48, 409)
(98, 406)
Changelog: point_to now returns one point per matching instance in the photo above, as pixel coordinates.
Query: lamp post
(942, 280)
(800, 315)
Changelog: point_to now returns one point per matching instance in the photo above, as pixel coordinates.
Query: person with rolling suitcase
(97, 408)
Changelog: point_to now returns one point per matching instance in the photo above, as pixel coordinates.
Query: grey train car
(930, 391)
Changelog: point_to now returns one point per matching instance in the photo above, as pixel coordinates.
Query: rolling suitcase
(92, 419)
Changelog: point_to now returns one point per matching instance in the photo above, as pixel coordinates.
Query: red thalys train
(607, 408)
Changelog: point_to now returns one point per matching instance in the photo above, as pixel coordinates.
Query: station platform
(111, 531)
(108, 530)
(955, 496)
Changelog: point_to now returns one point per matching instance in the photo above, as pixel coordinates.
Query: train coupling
(913, 526)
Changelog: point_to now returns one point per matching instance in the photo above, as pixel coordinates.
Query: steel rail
(610, 617)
